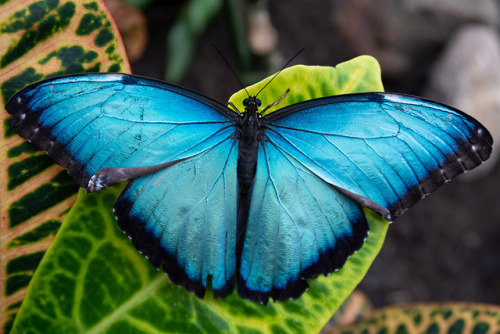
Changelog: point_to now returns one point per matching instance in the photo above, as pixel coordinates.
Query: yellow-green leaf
(359, 75)
(41, 38)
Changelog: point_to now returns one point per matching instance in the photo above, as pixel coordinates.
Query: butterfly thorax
(249, 132)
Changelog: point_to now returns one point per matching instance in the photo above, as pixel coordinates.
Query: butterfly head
(250, 122)
(251, 103)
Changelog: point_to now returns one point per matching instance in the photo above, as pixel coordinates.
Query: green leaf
(92, 280)
(38, 39)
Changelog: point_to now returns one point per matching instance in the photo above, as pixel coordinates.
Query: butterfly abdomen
(247, 161)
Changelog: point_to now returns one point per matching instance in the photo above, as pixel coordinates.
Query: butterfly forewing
(389, 149)
(89, 122)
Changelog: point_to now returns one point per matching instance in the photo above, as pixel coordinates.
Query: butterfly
(229, 198)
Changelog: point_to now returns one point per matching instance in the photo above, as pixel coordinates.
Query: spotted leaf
(40, 39)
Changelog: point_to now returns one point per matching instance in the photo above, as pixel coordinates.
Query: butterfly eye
(257, 102)
(245, 102)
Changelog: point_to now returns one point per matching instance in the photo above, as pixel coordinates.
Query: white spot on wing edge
(91, 78)
(95, 183)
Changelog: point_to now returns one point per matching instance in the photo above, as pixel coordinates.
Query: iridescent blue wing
(95, 121)
(299, 227)
(385, 151)
(180, 207)
(183, 218)
(322, 159)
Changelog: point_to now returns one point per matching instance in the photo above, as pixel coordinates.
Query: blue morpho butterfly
(263, 202)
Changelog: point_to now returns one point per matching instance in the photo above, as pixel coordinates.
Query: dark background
(447, 247)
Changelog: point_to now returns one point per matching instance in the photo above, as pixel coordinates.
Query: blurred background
(447, 247)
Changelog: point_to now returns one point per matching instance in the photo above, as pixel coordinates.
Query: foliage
(190, 24)
(427, 318)
(38, 39)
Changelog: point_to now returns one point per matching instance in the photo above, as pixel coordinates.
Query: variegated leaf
(38, 39)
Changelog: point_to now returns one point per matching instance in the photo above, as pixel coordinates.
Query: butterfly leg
(275, 103)
(234, 107)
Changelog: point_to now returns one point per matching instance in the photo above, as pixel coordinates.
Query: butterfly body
(249, 133)
(260, 202)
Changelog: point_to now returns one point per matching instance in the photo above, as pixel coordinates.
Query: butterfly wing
(94, 121)
(299, 226)
(183, 218)
(385, 151)
(324, 158)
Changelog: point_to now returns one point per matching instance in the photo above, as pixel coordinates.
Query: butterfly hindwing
(183, 218)
(87, 122)
(298, 227)
(383, 149)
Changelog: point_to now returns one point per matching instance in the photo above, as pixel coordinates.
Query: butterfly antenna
(228, 65)
(285, 66)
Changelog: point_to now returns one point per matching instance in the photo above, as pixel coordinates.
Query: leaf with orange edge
(40, 39)
(447, 317)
